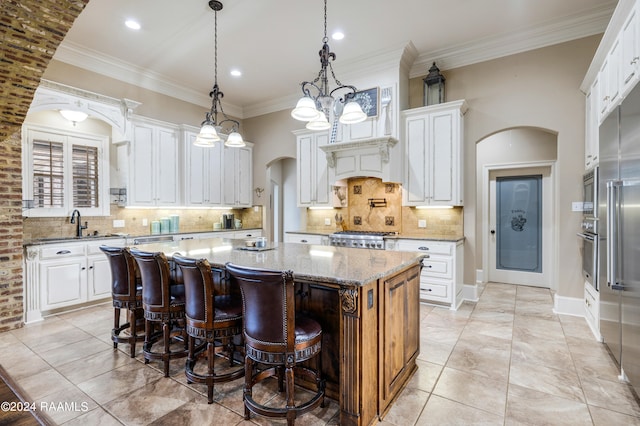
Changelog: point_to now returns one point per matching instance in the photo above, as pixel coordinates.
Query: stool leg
(190, 358)
(147, 338)
(211, 359)
(248, 383)
(291, 403)
(167, 347)
(319, 381)
(132, 328)
(116, 325)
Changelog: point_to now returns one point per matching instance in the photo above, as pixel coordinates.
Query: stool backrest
(198, 289)
(123, 273)
(154, 270)
(268, 305)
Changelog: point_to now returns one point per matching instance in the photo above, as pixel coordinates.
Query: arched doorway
(516, 169)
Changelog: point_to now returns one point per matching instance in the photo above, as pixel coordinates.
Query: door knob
(493, 231)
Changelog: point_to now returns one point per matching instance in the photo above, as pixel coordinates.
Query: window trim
(68, 138)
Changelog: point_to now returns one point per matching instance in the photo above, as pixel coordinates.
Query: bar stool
(126, 293)
(162, 303)
(211, 318)
(276, 337)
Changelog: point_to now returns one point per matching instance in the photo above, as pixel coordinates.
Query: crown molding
(558, 31)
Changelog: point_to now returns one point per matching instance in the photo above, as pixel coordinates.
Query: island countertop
(315, 263)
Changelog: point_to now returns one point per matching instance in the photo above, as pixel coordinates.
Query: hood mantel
(376, 157)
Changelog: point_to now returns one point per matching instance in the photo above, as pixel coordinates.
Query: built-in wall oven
(589, 228)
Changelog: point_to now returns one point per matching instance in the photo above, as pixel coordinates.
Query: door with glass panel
(519, 226)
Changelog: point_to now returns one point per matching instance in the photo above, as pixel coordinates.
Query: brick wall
(30, 31)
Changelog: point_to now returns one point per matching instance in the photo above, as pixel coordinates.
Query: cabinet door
(98, 278)
(322, 178)
(305, 170)
(237, 177)
(167, 178)
(629, 56)
(142, 167)
(417, 178)
(443, 159)
(203, 174)
(399, 325)
(62, 282)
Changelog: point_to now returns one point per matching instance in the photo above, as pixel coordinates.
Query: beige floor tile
(56, 384)
(75, 351)
(604, 417)
(528, 406)
(488, 327)
(472, 390)
(64, 406)
(561, 383)
(426, 376)
(611, 395)
(407, 408)
(151, 402)
(437, 353)
(94, 365)
(119, 381)
(554, 354)
(441, 411)
(199, 413)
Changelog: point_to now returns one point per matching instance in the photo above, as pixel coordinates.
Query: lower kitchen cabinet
(441, 277)
(592, 309)
(64, 275)
(291, 237)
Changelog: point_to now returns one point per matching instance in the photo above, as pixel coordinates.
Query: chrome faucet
(75, 216)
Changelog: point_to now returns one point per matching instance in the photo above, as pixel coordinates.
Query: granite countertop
(317, 263)
(406, 235)
(85, 238)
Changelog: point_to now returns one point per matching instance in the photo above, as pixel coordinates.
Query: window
(64, 171)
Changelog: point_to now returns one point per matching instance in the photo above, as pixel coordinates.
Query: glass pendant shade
(305, 109)
(208, 133)
(352, 113)
(320, 123)
(203, 143)
(234, 140)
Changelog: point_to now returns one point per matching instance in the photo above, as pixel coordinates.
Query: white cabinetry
(630, 55)
(591, 141)
(318, 239)
(314, 180)
(433, 160)
(441, 277)
(64, 275)
(154, 160)
(592, 309)
(203, 172)
(237, 176)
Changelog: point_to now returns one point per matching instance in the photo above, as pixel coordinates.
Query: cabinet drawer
(438, 267)
(436, 292)
(60, 251)
(304, 238)
(429, 247)
(94, 247)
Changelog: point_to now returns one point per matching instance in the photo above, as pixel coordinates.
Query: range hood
(377, 157)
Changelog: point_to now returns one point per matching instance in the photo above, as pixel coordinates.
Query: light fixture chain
(215, 47)
(325, 39)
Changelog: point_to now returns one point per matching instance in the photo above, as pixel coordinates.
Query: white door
(520, 226)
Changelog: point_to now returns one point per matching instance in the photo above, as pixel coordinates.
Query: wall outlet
(145, 222)
(256, 209)
(327, 221)
(118, 223)
(577, 206)
(422, 223)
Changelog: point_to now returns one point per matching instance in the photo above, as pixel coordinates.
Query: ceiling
(275, 43)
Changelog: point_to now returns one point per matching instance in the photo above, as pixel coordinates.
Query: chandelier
(316, 109)
(208, 135)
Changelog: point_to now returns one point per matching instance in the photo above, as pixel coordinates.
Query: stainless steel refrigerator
(619, 235)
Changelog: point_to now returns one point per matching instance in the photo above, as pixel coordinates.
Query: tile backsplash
(374, 205)
(191, 220)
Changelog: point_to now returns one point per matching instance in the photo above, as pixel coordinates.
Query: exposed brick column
(30, 31)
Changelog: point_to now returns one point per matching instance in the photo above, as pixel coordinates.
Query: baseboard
(470, 293)
(568, 306)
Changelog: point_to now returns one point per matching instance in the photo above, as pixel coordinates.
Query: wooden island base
(371, 340)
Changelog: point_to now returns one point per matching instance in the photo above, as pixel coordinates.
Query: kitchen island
(367, 302)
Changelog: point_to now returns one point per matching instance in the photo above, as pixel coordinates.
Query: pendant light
(315, 109)
(208, 135)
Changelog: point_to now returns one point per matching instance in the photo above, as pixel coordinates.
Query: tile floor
(507, 359)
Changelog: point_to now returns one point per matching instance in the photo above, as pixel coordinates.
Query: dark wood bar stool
(162, 303)
(213, 319)
(126, 293)
(277, 338)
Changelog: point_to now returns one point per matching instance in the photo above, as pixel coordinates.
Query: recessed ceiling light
(338, 35)
(134, 25)
(236, 73)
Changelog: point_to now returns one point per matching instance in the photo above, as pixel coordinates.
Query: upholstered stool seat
(213, 319)
(126, 293)
(277, 339)
(163, 303)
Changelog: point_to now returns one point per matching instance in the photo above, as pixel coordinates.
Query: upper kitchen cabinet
(591, 128)
(154, 159)
(313, 175)
(203, 172)
(433, 155)
(630, 52)
(237, 175)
